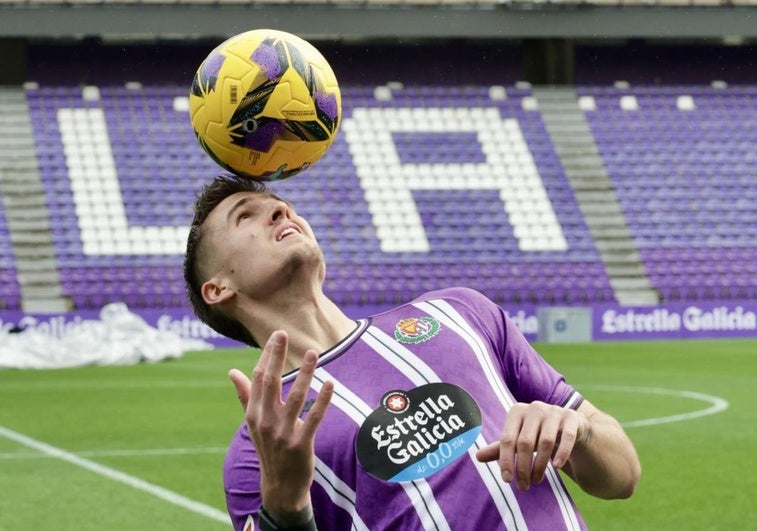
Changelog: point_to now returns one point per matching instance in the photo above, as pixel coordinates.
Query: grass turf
(168, 425)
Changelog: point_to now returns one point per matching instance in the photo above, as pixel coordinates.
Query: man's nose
(280, 210)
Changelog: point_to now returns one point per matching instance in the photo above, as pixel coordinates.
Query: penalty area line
(120, 477)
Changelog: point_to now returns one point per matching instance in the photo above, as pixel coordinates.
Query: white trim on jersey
(420, 373)
(563, 501)
(336, 350)
(346, 400)
(572, 399)
(339, 492)
(419, 492)
(453, 322)
(449, 316)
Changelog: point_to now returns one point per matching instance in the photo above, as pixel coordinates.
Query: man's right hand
(284, 442)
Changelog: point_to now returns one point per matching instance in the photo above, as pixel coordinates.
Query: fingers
(318, 411)
(258, 372)
(525, 447)
(533, 436)
(272, 367)
(488, 453)
(567, 440)
(242, 384)
(507, 443)
(267, 415)
(545, 445)
(297, 394)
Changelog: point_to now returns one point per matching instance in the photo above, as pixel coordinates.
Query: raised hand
(284, 442)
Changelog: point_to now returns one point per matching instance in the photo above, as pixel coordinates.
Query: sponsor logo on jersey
(416, 330)
(414, 434)
(395, 402)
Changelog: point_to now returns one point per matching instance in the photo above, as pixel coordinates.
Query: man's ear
(215, 292)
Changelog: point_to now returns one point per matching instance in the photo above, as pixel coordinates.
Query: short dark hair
(208, 198)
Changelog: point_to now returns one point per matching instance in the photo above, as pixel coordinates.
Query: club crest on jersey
(414, 434)
(416, 329)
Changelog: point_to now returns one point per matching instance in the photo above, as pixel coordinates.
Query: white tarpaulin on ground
(120, 337)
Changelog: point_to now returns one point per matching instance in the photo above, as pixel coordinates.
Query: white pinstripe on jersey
(339, 492)
(419, 492)
(447, 315)
(420, 373)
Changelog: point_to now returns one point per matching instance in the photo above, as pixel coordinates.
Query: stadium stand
(13, 156)
(630, 192)
(10, 295)
(131, 162)
(681, 160)
(132, 165)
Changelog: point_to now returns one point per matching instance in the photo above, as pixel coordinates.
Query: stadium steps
(621, 257)
(574, 143)
(25, 208)
(625, 270)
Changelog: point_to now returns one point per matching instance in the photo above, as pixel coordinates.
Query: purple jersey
(418, 390)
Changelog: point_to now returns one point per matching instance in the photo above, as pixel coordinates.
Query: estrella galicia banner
(414, 434)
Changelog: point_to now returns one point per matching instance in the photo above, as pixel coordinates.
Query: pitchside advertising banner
(686, 321)
(609, 322)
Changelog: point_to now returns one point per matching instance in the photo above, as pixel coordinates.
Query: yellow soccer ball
(265, 104)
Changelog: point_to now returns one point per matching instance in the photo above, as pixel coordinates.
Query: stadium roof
(340, 21)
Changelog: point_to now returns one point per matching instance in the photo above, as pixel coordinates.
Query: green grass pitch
(141, 447)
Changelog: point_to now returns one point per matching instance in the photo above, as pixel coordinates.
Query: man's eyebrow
(242, 201)
(236, 207)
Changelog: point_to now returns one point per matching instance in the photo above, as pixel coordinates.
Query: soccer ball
(265, 104)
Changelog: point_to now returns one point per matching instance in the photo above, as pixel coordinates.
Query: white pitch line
(115, 475)
(86, 384)
(147, 452)
(717, 404)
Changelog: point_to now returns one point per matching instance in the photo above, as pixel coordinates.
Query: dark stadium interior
(448, 62)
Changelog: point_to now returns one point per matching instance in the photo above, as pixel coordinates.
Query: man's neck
(313, 322)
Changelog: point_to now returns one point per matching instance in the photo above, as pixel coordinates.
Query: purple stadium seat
(675, 176)
(686, 217)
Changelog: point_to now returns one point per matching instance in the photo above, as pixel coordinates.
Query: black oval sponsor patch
(414, 434)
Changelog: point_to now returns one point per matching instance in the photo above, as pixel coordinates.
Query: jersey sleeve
(529, 376)
(241, 482)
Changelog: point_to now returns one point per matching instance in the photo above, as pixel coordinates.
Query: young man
(434, 415)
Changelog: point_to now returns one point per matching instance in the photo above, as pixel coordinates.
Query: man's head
(195, 261)
(248, 253)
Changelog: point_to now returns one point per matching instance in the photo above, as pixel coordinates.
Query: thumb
(242, 384)
(488, 453)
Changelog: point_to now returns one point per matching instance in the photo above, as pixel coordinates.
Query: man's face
(259, 244)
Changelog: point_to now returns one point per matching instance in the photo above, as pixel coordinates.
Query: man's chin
(303, 261)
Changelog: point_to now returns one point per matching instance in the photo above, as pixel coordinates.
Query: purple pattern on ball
(267, 59)
(213, 64)
(327, 103)
(264, 137)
